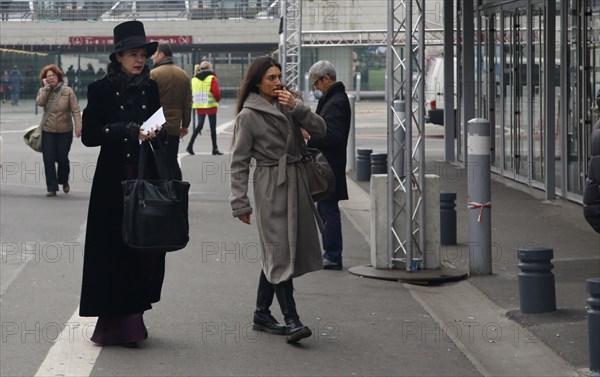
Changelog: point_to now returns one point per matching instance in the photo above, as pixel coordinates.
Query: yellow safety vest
(203, 97)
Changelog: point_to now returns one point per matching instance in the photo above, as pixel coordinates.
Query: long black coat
(334, 107)
(116, 279)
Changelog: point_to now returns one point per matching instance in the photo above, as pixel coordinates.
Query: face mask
(318, 94)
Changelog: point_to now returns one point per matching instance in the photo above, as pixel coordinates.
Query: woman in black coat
(119, 283)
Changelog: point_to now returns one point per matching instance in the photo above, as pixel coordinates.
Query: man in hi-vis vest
(206, 96)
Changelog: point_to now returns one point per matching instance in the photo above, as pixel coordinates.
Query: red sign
(108, 41)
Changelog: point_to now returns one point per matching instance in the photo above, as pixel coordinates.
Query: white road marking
(17, 131)
(73, 353)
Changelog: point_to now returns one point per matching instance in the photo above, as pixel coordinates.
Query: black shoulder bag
(155, 213)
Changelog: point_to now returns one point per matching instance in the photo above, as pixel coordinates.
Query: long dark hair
(256, 71)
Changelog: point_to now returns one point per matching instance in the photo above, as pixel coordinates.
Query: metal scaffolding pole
(290, 42)
(405, 62)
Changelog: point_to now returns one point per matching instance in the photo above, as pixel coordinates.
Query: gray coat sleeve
(240, 168)
(311, 122)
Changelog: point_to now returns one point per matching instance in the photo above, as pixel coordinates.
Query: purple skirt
(119, 329)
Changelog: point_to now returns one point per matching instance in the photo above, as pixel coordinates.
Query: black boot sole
(269, 330)
(299, 335)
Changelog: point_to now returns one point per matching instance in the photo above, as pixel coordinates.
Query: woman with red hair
(61, 116)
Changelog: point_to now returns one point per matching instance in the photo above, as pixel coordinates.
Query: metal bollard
(479, 197)
(536, 280)
(593, 288)
(363, 164)
(379, 163)
(448, 218)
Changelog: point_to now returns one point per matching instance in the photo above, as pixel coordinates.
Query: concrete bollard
(379, 163)
(363, 164)
(593, 288)
(536, 280)
(448, 218)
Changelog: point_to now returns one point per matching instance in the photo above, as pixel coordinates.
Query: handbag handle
(164, 173)
(303, 147)
(162, 168)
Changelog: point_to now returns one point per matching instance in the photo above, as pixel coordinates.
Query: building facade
(535, 76)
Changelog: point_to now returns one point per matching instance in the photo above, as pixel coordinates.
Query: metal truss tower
(290, 41)
(405, 39)
(406, 133)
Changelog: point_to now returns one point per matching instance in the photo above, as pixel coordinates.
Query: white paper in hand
(155, 122)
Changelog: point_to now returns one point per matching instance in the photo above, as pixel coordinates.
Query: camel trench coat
(285, 212)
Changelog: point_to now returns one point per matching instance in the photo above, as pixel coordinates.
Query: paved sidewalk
(522, 218)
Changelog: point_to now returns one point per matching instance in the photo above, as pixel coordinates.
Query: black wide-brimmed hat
(130, 35)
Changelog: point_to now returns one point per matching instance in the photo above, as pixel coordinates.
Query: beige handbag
(33, 138)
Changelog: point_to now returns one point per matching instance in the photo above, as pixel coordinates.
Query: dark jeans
(55, 149)
(15, 95)
(172, 150)
(212, 120)
(332, 232)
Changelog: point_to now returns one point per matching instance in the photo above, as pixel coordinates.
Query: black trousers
(55, 150)
(172, 150)
(212, 120)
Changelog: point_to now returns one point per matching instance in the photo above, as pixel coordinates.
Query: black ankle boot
(263, 320)
(295, 329)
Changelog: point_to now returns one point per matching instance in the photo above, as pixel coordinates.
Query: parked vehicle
(434, 91)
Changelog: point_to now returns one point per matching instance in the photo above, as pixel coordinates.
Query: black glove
(133, 130)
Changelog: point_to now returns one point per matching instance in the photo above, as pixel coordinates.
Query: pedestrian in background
(15, 83)
(176, 100)
(119, 283)
(334, 107)
(207, 95)
(267, 130)
(61, 116)
(71, 76)
(5, 85)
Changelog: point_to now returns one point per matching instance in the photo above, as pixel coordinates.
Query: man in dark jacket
(334, 107)
(176, 100)
(15, 82)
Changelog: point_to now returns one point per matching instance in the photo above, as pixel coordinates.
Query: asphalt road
(202, 325)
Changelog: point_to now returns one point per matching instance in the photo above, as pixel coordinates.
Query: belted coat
(285, 212)
(117, 280)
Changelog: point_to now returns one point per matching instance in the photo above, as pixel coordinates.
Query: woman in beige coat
(267, 128)
(61, 113)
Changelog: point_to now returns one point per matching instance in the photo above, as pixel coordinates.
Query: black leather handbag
(321, 180)
(155, 213)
